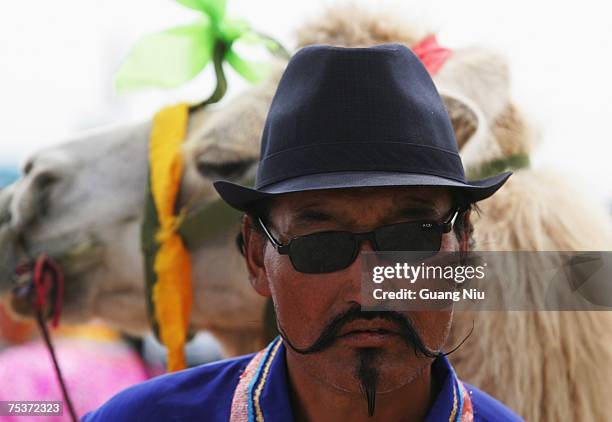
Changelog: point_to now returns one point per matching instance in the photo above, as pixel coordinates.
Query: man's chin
(395, 363)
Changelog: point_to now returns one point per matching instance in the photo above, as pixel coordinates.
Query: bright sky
(57, 59)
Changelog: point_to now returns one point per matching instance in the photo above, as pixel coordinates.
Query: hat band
(334, 157)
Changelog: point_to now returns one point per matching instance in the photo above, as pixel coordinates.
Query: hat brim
(243, 198)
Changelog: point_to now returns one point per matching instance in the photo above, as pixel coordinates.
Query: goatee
(367, 374)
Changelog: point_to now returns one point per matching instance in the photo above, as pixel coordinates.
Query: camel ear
(476, 142)
(463, 116)
(480, 76)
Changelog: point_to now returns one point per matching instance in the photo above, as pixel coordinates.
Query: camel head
(80, 203)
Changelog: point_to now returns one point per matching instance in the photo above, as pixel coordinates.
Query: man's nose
(352, 275)
(365, 246)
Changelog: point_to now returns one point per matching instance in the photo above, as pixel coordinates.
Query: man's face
(306, 303)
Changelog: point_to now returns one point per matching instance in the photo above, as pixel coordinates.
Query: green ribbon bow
(174, 56)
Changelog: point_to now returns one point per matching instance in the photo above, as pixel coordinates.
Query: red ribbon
(432, 54)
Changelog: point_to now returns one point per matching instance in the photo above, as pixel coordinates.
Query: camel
(95, 237)
(82, 203)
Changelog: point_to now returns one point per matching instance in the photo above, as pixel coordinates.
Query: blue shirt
(254, 386)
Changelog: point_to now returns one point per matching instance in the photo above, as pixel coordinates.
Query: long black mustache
(329, 335)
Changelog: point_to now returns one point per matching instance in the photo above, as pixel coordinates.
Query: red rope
(47, 277)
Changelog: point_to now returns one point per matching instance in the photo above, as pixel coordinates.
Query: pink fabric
(240, 401)
(467, 412)
(94, 371)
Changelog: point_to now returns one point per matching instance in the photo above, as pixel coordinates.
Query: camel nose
(8, 252)
(31, 196)
(5, 210)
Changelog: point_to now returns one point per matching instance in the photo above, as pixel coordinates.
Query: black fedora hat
(356, 117)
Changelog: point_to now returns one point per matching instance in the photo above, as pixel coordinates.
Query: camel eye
(227, 170)
(44, 182)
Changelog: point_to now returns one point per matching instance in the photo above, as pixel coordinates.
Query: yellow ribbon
(172, 291)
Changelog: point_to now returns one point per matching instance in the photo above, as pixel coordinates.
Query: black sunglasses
(329, 251)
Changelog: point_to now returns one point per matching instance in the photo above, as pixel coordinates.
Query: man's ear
(466, 233)
(254, 246)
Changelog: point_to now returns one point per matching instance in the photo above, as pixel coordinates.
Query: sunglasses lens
(409, 237)
(322, 252)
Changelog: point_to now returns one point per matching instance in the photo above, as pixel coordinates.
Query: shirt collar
(276, 404)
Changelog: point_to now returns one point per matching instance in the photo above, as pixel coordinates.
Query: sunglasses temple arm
(448, 225)
(277, 245)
